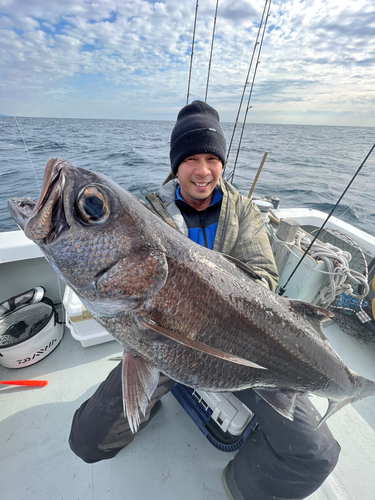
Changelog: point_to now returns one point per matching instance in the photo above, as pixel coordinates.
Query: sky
(120, 59)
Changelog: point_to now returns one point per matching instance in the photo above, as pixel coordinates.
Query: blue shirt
(202, 225)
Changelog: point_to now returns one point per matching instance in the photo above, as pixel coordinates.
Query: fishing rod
(212, 46)
(246, 81)
(283, 288)
(231, 175)
(192, 52)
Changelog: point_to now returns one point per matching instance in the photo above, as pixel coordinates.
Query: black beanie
(197, 130)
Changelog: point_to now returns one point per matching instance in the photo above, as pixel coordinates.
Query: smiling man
(283, 459)
(203, 206)
(198, 176)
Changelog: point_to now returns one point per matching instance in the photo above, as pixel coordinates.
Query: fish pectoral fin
(139, 381)
(281, 400)
(198, 346)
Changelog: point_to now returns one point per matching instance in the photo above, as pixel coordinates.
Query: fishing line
(231, 175)
(246, 82)
(212, 46)
(192, 52)
(282, 289)
(24, 141)
(356, 199)
(32, 165)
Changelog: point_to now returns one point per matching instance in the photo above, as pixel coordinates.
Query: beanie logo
(212, 129)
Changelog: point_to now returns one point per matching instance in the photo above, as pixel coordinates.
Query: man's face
(198, 176)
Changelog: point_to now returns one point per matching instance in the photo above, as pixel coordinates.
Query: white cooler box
(81, 324)
(230, 414)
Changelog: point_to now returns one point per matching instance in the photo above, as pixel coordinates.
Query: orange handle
(37, 383)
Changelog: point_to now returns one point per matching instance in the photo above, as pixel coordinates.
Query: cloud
(130, 59)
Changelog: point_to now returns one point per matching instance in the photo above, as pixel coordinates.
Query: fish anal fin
(195, 344)
(139, 381)
(281, 400)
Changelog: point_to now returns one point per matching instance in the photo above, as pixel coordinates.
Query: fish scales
(184, 310)
(235, 338)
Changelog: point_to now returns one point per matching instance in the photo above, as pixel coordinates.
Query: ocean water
(307, 166)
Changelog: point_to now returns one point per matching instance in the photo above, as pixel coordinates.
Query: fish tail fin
(366, 388)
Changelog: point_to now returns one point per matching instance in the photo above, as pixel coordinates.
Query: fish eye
(92, 206)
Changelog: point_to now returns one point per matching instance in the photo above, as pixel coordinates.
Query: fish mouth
(21, 209)
(44, 220)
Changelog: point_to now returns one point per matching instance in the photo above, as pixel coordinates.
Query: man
(202, 205)
(284, 459)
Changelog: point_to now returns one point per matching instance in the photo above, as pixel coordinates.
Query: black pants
(282, 460)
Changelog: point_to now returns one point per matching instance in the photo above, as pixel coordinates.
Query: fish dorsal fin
(195, 344)
(281, 400)
(314, 314)
(139, 381)
(311, 310)
(243, 267)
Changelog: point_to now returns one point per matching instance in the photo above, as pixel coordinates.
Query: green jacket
(240, 231)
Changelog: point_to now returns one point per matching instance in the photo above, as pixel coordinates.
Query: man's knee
(83, 450)
(99, 429)
(327, 455)
(83, 440)
(309, 448)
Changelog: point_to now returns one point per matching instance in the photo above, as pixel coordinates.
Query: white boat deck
(168, 460)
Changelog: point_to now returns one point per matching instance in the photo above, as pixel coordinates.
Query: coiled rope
(337, 262)
(341, 277)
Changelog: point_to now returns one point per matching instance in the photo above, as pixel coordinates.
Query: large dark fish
(175, 306)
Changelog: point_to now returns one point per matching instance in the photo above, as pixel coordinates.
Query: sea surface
(307, 166)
